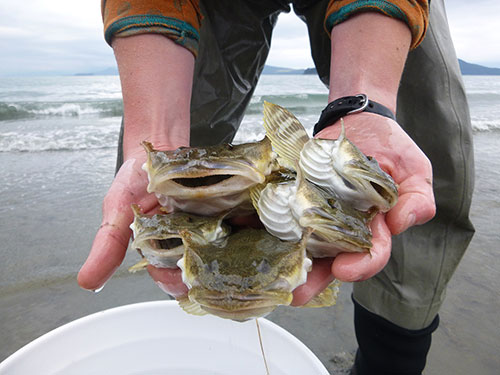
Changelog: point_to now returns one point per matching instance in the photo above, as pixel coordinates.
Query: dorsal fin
(285, 131)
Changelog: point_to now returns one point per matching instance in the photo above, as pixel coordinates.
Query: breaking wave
(22, 110)
(81, 138)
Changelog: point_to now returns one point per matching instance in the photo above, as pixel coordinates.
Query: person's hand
(112, 238)
(399, 156)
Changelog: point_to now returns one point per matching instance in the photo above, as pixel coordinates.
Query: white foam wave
(484, 125)
(82, 138)
(67, 109)
(60, 109)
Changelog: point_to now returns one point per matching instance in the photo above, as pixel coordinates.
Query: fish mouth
(161, 252)
(239, 306)
(204, 179)
(165, 244)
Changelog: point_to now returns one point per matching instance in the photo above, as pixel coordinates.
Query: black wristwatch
(348, 105)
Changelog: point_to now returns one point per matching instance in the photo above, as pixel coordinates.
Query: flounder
(287, 207)
(247, 277)
(208, 180)
(157, 237)
(338, 166)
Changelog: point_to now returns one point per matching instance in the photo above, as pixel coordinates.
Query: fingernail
(98, 289)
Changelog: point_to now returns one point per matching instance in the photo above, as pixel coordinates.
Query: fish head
(247, 277)
(157, 237)
(208, 174)
(335, 226)
(364, 174)
(341, 168)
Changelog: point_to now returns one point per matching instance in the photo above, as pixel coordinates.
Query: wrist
(368, 56)
(348, 106)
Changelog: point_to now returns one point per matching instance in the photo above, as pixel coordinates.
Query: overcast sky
(61, 36)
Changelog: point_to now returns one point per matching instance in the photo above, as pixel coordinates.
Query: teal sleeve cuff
(179, 31)
(381, 6)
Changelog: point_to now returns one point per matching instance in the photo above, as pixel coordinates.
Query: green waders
(432, 108)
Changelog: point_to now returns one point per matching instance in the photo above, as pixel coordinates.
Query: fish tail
(286, 133)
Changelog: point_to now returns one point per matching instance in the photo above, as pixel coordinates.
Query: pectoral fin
(191, 307)
(286, 133)
(327, 297)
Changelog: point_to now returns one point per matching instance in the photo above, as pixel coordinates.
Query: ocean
(58, 138)
(75, 113)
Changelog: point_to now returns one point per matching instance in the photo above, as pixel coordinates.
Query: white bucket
(159, 338)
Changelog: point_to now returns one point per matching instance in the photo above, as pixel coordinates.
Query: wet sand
(44, 243)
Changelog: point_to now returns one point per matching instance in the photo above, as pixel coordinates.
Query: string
(262, 346)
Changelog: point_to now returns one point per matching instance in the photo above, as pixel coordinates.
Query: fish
(210, 180)
(247, 277)
(328, 297)
(287, 206)
(157, 237)
(337, 166)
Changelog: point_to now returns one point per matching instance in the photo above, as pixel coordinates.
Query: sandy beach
(61, 215)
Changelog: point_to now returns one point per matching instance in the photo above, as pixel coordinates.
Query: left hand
(399, 156)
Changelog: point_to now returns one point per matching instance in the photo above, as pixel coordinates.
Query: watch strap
(348, 105)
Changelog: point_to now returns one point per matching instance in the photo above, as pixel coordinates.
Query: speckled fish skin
(247, 277)
(288, 208)
(158, 239)
(209, 180)
(338, 166)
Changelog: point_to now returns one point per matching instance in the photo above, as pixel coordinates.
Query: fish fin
(255, 192)
(139, 266)
(136, 209)
(148, 146)
(286, 133)
(328, 297)
(342, 131)
(191, 307)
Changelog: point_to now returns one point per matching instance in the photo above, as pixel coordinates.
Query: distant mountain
(465, 67)
(475, 69)
(113, 71)
(310, 71)
(269, 69)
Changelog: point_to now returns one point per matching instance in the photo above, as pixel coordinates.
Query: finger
(317, 280)
(169, 280)
(415, 205)
(361, 266)
(111, 240)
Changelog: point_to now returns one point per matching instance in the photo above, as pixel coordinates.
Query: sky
(65, 37)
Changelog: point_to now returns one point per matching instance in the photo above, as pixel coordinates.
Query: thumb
(111, 240)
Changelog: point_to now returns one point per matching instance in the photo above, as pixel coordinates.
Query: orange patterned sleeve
(179, 20)
(415, 13)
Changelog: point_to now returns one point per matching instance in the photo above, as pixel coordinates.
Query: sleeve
(415, 13)
(178, 20)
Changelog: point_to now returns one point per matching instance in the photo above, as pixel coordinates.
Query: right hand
(112, 238)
